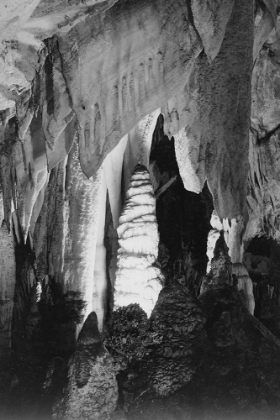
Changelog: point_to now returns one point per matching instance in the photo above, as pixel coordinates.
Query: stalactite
(138, 280)
(113, 167)
(234, 230)
(139, 145)
(210, 20)
(137, 83)
(213, 236)
(68, 227)
(233, 234)
(190, 162)
(221, 267)
(113, 171)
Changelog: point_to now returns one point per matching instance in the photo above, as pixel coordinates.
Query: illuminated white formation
(213, 236)
(137, 279)
(245, 283)
(233, 233)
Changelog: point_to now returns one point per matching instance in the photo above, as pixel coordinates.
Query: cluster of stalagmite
(138, 280)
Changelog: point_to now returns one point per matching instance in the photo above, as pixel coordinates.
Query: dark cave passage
(262, 259)
(183, 216)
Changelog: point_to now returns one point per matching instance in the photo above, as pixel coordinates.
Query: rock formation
(92, 390)
(179, 320)
(245, 284)
(138, 280)
(189, 92)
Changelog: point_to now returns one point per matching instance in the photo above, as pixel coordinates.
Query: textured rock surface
(210, 19)
(71, 205)
(236, 378)
(263, 205)
(127, 333)
(226, 80)
(142, 64)
(179, 320)
(92, 391)
(263, 201)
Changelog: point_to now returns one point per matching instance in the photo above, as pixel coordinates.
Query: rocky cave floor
(205, 358)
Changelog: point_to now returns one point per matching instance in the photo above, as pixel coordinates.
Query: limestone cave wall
(139, 209)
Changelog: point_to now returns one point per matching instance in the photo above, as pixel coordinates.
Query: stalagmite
(245, 284)
(138, 280)
(178, 319)
(92, 390)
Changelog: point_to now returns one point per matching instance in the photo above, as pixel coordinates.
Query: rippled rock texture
(138, 280)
